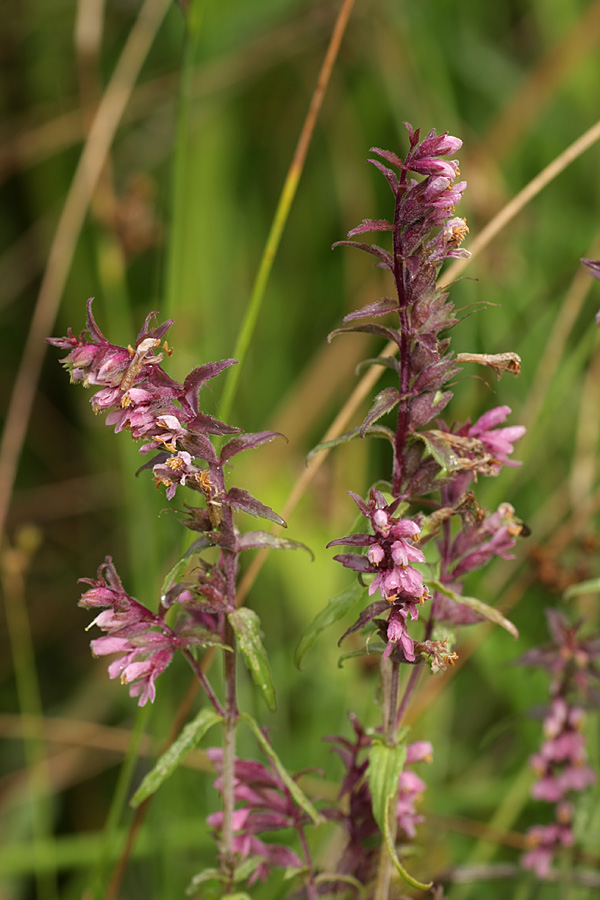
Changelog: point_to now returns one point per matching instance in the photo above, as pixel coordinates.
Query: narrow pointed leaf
(246, 625)
(382, 255)
(368, 225)
(419, 885)
(247, 442)
(193, 732)
(379, 308)
(336, 608)
(584, 587)
(385, 401)
(299, 796)
(240, 499)
(488, 612)
(380, 431)
(388, 334)
(385, 767)
(259, 539)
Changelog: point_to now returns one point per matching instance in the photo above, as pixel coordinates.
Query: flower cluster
(141, 398)
(561, 763)
(362, 848)
(144, 642)
(424, 458)
(391, 550)
(267, 805)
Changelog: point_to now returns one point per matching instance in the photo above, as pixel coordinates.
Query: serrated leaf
(299, 796)
(383, 403)
(441, 451)
(246, 625)
(193, 732)
(385, 768)
(488, 612)
(336, 608)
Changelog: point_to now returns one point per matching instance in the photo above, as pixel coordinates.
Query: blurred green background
(178, 223)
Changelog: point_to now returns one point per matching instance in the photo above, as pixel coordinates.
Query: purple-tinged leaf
(205, 422)
(389, 157)
(389, 175)
(158, 332)
(366, 615)
(200, 374)
(368, 328)
(379, 308)
(353, 540)
(240, 499)
(246, 625)
(433, 376)
(487, 612)
(200, 446)
(389, 362)
(193, 732)
(247, 442)
(354, 561)
(385, 401)
(258, 539)
(368, 225)
(382, 255)
(336, 608)
(426, 406)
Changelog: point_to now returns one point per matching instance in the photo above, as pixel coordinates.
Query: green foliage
(193, 732)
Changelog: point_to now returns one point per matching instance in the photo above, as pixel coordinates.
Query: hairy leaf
(383, 403)
(246, 625)
(193, 732)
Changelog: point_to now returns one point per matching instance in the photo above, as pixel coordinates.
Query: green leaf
(441, 451)
(398, 865)
(584, 587)
(299, 796)
(193, 732)
(336, 608)
(379, 431)
(488, 612)
(246, 625)
(385, 768)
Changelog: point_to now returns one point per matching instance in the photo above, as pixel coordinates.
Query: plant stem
(389, 683)
(231, 715)
(204, 682)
